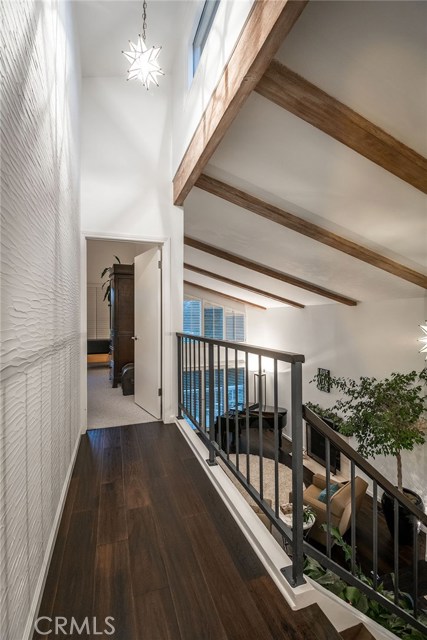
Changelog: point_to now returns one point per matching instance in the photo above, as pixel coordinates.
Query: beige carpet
(285, 477)
(108, 407)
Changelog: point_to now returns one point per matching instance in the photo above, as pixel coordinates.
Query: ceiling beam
(266, 27)
(224, 295)
(306, 228)
(267, 271)
(234, 283)
(295, 94)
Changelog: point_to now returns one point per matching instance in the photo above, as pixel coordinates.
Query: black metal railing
(416, 517)
(238, 397)
(215, 381)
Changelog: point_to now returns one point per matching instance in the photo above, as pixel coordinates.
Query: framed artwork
(324, 380)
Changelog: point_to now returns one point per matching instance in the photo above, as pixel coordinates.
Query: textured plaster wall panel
(40, 261)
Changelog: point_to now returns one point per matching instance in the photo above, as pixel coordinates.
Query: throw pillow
(332, 489)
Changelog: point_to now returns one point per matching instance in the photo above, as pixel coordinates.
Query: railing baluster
(179, 353)
(328, 496)
(227, 407)
(260, 434)
(200, 386)
(211, 365)
(396, 550)
(205, 399)
(276, 438)
(248, 473)
(297, 476)
(236, 410)
(415, 564)
(353, 517)
(375, 532)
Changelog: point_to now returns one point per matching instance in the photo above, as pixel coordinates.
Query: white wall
(126, 190)
(40, 305)
(372, 339)
(101, 254)
(191, 95)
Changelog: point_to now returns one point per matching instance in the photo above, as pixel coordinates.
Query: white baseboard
(38, 594)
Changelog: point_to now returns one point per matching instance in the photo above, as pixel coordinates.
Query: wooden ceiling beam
(266, 27)
(234, 283)
(224, 295)
(302, 98)
(306, 228)
(267, 271)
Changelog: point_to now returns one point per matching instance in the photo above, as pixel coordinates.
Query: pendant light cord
(144, 19)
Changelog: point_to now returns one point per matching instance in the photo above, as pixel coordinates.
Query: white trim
(38, 593)
(166, 347)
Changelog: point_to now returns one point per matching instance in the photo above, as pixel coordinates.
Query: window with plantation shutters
(203, 318)
(234, 326)
(193, 317)
(213, 317)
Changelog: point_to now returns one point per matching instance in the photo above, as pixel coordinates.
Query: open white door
(148, 332)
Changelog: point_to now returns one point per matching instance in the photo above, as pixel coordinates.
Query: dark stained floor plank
(136, 486)
(112, 464)
(88, 470)
(200, 619)
(230, 595)
(227, 529)
(74, 595)
(58, 552)
(113, 592)
(155, 616)
(148, 573)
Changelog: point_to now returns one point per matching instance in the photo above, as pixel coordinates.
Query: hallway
(146, 539)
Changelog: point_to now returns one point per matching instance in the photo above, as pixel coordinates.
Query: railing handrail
(316, 421)
(283, 356)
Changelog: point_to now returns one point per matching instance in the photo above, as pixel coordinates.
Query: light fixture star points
(144, 65)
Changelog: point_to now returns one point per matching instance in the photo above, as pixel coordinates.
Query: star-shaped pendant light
(423, 339)
(144, 65)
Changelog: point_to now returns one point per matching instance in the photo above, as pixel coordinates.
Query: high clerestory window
(203, 28)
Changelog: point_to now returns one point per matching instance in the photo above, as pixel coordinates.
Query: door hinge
(160, 264)
(159, 393)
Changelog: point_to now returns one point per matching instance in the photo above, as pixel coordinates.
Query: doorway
(108, 406)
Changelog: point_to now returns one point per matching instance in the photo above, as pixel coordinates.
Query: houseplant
(106, 283)
(386, 417)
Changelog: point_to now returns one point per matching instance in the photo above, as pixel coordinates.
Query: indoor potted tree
(386, 417)
(107, 283)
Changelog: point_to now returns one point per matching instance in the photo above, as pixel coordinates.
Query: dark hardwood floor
(146, 540)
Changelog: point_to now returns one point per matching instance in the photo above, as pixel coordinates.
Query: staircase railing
(378, 483)
(215, 380)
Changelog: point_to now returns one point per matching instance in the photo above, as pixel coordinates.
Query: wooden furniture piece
(122, 318)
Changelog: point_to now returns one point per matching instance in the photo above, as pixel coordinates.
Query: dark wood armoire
(122, 318)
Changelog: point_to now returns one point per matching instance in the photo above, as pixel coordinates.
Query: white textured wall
(39, 293)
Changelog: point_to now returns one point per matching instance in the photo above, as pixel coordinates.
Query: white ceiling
(373, 57)
(370, 55)
(104, 28)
